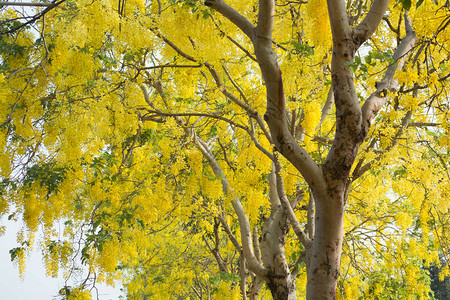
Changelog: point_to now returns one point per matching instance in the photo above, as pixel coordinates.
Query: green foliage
(47, 175)
(406, 4)
(6, 185)
(360, 66)
(19, 252)
(304, 50)
(129, 173)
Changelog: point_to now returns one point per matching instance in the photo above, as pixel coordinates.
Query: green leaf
(406, 4)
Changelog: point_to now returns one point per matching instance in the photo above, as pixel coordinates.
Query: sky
(35, 285)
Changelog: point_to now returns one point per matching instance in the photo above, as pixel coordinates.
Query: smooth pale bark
(280, 280)
(328, 182)
(324, 263)
(376, 100)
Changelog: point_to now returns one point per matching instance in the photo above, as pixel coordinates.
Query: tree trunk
(327, 181)
(325, 256)
(279, 278)
(282, 288)
(273, 238)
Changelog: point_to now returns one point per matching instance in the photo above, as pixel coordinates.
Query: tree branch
(370, 23)
(267, 60)
(256, 244)
(361, 169)
(338, 19)
(169, 66)
(375, 101)
(214, 115)
(230, 234)
(214, 251)
(310, 216)
(246, 236)
(287, 206)
(233, 41)
(275, 115)
(265, 20)
(250, 111)
(326, 108)
(36, 17)
(231, 14)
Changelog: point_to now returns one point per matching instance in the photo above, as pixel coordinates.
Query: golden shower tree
(230, 149)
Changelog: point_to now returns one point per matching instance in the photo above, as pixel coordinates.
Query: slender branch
(323, 140)
(247, 246)
(256, 244)
(173, 46)
(391, 27)
(196, 292)
(250, 111)
(441, 159)
(326, 108)
(423, 124)
(210, 115)
(226, 92)
(169, 66)
(26, 4)
(310, 216)
(34, 18)
(293, 120)
(244, 275)
(242, 48)
(287, 206)
(216, 255)
(360, 170)
(146, 96)
(230, 234)
(225, 156)
(295, 266)
(375, 101)
(240, 91)
(233, 41)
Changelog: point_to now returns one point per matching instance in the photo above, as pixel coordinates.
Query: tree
(158, 131)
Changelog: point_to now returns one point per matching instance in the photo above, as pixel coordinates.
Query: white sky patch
(35, 285)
